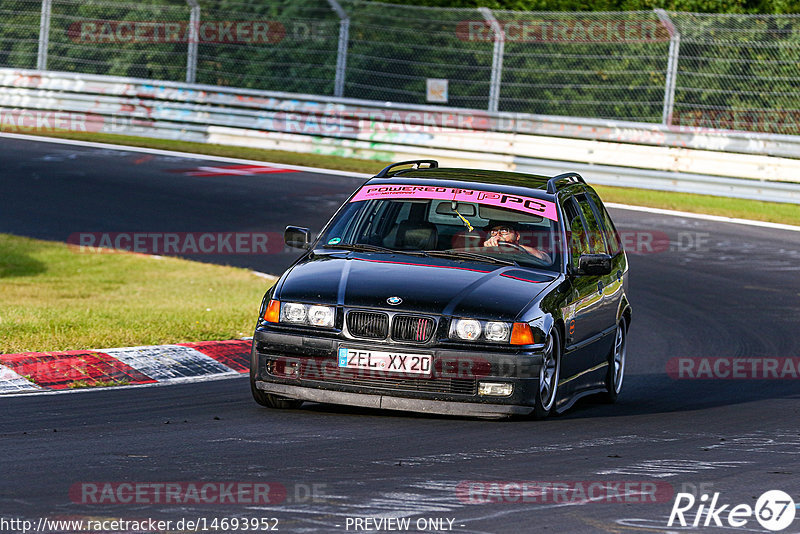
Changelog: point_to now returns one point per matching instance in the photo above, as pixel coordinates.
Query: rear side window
(577, 237)
(597, 241)
(609, 230)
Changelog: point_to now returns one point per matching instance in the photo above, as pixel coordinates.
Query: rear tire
(616, 364)
(549, 375)
(267, 399)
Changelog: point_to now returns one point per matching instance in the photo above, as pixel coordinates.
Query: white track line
(169, 382)
(190, 155)
(270, 277)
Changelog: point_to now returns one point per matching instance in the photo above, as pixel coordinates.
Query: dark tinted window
(609, 230)
(597, 241)
(419, 225)
(577, 237)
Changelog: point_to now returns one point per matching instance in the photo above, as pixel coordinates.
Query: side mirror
(297, 237)
(594, 264)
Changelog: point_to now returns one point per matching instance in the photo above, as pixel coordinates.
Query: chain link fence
(739, 72)
(603, 65)
(394, 50)
(277, 45)
(101, 38)
(19, 33)
(736, 72)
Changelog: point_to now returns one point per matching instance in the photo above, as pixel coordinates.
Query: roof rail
(552, 183)
(432, 164)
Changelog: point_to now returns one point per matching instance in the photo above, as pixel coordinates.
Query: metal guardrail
(548, 125)
(607, 152)
(669, 181)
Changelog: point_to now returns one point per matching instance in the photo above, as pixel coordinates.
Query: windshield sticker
(531, 205)
(335, 241)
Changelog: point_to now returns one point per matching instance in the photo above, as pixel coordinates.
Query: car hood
(425, 285)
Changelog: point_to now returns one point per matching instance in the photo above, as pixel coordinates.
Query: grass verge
(726, 207)
(274, 156)
(55, 298)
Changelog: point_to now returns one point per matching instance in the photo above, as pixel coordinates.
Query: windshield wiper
(365, 247)
(468, 256)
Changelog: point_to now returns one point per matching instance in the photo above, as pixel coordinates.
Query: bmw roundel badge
(394, 301)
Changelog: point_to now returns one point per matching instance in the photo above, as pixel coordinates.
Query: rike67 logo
(774, 510)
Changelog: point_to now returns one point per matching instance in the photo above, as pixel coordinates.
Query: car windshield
(463, 231)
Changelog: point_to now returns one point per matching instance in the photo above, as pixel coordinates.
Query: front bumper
(386, 402)
(305, 367)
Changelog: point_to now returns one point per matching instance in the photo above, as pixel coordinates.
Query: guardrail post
(194, 39)
(672, 65)
(497, 58)
(341, 53)
(44, 35)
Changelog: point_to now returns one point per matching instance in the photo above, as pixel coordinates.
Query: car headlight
(467, 329)
(496, 331)
(320, 315)
(293, 313)
(297, 313)
(474, 330)
(491, 331)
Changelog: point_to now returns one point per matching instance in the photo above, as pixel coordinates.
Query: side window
(597, 242)
(577, 236)
(609, 230)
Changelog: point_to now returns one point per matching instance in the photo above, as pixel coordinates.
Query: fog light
(495, 389)
(292, 369)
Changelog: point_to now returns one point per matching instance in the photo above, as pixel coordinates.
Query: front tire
(549, 375)
(616, 364)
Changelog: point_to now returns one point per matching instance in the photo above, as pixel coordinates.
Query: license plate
(394, 362)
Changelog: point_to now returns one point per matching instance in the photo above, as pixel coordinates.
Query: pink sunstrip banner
(531, 205)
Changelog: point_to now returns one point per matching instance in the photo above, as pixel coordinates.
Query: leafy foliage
(735, 70)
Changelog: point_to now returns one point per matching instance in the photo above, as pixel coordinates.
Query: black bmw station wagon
(450, 291)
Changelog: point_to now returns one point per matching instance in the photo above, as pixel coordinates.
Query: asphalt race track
(715, 290)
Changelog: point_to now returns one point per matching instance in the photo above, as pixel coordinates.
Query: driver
(508, 232)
